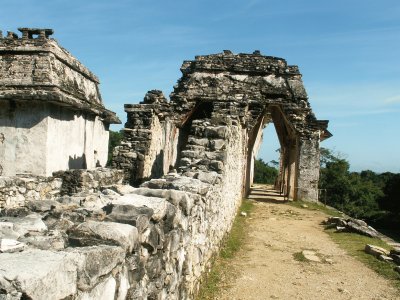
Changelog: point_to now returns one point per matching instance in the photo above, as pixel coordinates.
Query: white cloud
(391, 100)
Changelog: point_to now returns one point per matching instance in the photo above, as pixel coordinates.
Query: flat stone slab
(24, 225)
(37, 273)
(158, 205)
(311, 255)
(10, 246)
(375, 250)
(93, 233)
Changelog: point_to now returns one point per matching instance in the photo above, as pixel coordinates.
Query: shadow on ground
(266, 193)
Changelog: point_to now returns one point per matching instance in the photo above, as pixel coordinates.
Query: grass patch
(299, 256)
(316, 206)
(354, 244)
(221, 270)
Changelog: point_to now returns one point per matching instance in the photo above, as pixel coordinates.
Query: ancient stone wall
(150, 145)
(245, 90)
(16, 191)
(151, 242)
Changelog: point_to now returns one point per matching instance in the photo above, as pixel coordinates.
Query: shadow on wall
(157, 170)
(77, 162)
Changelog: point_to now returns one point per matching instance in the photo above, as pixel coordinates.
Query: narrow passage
(267, 267)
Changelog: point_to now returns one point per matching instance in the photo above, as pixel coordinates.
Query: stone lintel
(28, 33)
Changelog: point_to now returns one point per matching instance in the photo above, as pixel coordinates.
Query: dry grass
(221, 269)
(354, 245)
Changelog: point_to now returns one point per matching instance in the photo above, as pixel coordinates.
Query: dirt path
(267, 269)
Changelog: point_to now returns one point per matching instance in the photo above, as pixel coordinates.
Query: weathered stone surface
(95, 262)
(7, 230)
(105, 290)
(52, 240)
(42, 205)
(158, 205)
(29, 224)
(92, 233)
(311, 255)
(375, 250)
(38, 273)
(385, 258)
(10, 246)
(129, 214)
(351, 225)
(123, 189)
(16, 191)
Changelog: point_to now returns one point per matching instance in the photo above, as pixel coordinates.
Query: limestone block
(123, 189)
(42, 205)
(219, 132)
(207, 177)
(52, 240)
(105, 290)
(94, 262)
(7, 230)
(37, 273)
(375, 250)
(153, 238)
(129, 214)
(11, 246)
(29, 223)
(93, 233)
(217, 144)
(189, 185)
(158, 205)
(124, 284)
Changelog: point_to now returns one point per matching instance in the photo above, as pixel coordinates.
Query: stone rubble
(361, 227)
(351, 225)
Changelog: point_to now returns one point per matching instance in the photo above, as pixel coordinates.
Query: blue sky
(348, 53)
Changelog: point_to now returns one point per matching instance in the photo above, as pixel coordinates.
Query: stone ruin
(148, 227)
(51, 113)
(217, 94)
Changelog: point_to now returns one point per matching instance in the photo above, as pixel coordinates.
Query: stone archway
(226, 90)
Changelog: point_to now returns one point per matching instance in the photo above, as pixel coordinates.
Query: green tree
(391, 199)
(356, 194)
(263, 173)
(113, 141)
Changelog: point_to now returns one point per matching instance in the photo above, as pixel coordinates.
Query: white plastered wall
(75, 141)
(42, 138)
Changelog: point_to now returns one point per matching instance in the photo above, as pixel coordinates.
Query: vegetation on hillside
(374, 197)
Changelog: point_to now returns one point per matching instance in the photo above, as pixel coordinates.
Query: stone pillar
(308, 169)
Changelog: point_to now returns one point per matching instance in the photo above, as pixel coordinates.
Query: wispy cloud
(391, 100)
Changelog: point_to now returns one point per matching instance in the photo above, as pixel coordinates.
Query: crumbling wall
(233, 89)
(150, 145)
(151, 242)
(16, 191)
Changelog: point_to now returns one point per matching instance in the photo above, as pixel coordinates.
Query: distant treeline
(264, 173)
(374, 197)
